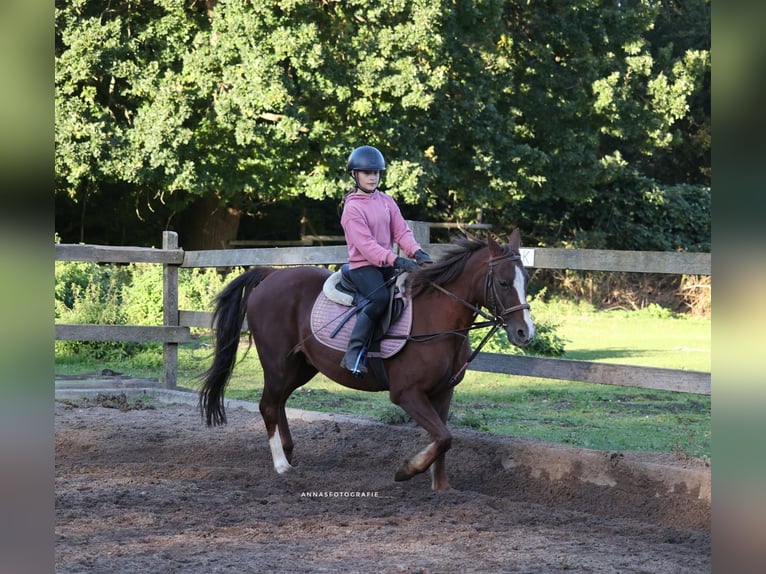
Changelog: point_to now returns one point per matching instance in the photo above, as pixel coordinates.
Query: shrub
(89, 293)
(639, 214)
(142, 295)
(72, 277)
(95, 301)
(197, 288)
(546, 343)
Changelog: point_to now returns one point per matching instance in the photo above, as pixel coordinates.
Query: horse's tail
(229, 313)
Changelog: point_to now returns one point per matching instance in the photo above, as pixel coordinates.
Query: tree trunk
(208, 224)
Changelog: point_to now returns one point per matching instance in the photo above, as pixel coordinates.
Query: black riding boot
(353, 360)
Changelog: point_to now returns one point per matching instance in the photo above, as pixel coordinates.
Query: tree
(260, 102)
(121, 123)
(528, 115)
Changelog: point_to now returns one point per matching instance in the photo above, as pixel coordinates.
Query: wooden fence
(177, 323)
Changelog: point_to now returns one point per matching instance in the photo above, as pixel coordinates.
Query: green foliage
(197, 287)
(142, 295)
(546, 343)
(560, 118)
(74, 277)
(637, 214)
(80, 300)
(87, 293)
(655, 311)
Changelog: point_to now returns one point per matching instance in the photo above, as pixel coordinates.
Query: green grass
(587, 415)
(638, 338)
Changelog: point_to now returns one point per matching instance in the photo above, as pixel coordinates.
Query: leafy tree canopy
(574, 120)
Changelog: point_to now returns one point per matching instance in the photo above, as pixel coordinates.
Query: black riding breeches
(370, 281)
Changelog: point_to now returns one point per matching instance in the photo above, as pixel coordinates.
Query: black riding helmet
(366, 158)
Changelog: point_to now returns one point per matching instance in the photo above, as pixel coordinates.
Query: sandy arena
(154, 490)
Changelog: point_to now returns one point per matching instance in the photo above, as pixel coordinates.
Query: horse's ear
(494, 247)
(514, 240)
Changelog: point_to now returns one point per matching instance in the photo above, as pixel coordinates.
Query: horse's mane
(447, 268)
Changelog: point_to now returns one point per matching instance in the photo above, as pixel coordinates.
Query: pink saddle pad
(326, 315)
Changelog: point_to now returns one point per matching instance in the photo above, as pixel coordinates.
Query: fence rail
(177, 323)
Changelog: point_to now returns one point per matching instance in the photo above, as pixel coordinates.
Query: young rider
(372, 222)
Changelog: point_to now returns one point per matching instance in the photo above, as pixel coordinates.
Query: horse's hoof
(283, 468)
(402, 475)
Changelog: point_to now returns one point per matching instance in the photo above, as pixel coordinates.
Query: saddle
(333, 316)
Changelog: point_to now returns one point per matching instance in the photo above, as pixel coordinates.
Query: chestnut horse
(447, 297)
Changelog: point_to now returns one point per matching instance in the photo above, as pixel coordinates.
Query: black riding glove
(406, 265)
(423, 258)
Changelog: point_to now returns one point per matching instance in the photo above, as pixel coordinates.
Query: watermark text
(339, 494)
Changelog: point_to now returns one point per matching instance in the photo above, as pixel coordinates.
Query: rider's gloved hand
(406, 265)
(423, 258)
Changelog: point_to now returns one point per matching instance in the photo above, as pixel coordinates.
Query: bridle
(490, 290)
(497, 318)
(491, 297)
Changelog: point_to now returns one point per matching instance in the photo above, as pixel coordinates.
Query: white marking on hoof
(281, 464)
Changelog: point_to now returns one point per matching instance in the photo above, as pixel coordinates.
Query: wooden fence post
(422, 232)
(170, 309)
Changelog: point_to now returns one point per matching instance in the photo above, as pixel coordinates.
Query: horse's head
(505, 292)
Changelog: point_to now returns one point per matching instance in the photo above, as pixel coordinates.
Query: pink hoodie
(371, 223)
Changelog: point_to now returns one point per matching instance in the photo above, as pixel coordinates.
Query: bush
(639, 214)
(86, 293)
(546, 343)
(72, 277)
(142, 295)
(197, 288)
(89, 293)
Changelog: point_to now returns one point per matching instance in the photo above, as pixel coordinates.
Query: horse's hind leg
(277, 388)
(270, 407)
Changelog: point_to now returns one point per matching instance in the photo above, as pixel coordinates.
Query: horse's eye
(503, 284)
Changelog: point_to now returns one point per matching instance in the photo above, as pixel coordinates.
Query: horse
(446, 297)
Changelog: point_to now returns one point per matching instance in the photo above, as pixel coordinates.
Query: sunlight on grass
(619, 337)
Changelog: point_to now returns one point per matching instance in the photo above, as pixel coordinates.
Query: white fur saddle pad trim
(333, 294)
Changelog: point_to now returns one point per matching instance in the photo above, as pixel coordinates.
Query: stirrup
(358, 369)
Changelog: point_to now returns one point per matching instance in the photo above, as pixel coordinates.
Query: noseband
(490, 290)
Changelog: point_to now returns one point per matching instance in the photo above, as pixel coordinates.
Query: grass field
(580, 414)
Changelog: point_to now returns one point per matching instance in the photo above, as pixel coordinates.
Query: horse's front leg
(439, 480)
(417, 404)
(284, 434)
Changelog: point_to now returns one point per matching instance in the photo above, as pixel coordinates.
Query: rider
(372, 222)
